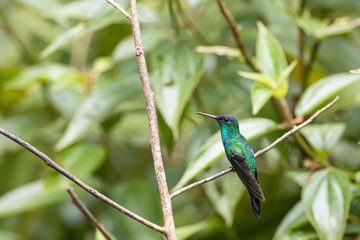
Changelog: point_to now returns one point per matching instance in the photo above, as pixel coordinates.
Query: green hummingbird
(241, 157)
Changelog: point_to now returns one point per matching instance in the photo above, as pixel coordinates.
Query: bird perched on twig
(241, 157)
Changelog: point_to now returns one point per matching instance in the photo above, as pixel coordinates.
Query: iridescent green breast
(235, 143)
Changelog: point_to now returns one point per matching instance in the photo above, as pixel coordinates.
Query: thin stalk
(314, 51)
(236, 33)
(165, 199)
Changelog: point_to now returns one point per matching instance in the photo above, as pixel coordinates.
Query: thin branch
(87, 213)
(205, 180)
(297, 128)
(118, 7)
(165, 199)
(236, 33)
(260, 152)
(188, 24)
(48, 161)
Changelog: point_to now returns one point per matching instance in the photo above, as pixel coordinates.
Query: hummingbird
(241, 157)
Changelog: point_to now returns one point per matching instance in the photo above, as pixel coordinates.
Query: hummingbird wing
(250, 180)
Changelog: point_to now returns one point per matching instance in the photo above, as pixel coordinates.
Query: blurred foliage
(69, 85)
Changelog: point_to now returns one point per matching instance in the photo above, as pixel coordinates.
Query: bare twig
(87, 213)
(118, 7)
(205, 180)
(296, 128)
(260, 152)
(236, 33)
(165, 199)
(48, 161)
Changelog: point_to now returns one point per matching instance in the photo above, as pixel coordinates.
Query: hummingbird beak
(208, 115)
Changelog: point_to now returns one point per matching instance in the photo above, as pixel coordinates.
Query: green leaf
(283, 84)
(323, 137)
(344, 154)
(30, 197)
(294, 218)
(326, 199)
(46, 72)
(151, 36)
(260, 95)
(95, 108)
(100, 236)
(83, 159)
(342, 25)
(177, 71)
(224, 193)
(313, 26)
(213, 148)
(299, 176)
(221, 51)
(8, 235)
(184, 232)
(270, 56)
(321, 28)
(322, 90)
(81, 29)
(258, 77)
(141, 197)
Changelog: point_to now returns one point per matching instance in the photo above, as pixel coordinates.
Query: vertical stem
(173, 17)
(302, 47)
(301, 56)
(314, 51)
(299, 138)
(169, 224)
(236, 32)
(286, 109)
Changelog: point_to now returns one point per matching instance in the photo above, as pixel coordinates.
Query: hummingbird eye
(226, 120)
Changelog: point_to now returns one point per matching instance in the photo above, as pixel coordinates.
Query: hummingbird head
(225, 121)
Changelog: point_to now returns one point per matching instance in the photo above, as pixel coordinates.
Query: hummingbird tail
(255, 205)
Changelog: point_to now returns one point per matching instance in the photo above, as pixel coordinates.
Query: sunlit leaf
(283, 83)
(260, 95)
(82, 29)
(10, 235)
(326, 199)
(213, 148)
(342, 25)
(78, 10)
(294, 218)
(141, 197)
(322, 28)
(100, 236)
(323, 137)
(345, 156)
(30, 197)
(177, 71)
(258, 77)
(95, 108)
(151, 38)
(184, 232)
(220, 51)
(224, 193)
(83, 159)
(356, 71)
(313, 26)
(46, 72)
(322, 90)
(269, 55)
(298, 176)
